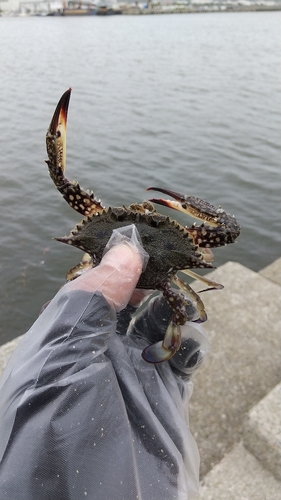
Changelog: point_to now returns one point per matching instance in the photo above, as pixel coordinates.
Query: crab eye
(58, 134)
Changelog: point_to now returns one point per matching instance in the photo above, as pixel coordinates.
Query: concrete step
(239, 476)
(244, 362)
(252, 470)
(273, 271)
(262, 431)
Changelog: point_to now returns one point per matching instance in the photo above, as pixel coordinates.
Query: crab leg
(83, 266)
(213, 284)
(82, 201)
(165, 350)
(194, 297)
(218, 228)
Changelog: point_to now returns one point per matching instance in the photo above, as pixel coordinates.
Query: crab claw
(56, 134)
(164, 350)
(78, 198)
(177, 196)
(225, 228)
(189, 205)
(176, 205)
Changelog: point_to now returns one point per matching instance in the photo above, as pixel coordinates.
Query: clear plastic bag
(82, 415)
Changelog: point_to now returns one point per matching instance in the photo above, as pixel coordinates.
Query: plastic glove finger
(130, 235)
(115, 277)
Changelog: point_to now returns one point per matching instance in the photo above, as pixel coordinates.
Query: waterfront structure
(80, 7)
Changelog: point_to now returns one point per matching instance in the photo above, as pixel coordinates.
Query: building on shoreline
(80, 7)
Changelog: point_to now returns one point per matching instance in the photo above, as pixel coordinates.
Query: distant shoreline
(204, 9)
(134, 10)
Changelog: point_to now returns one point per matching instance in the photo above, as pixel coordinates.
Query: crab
(171, 247)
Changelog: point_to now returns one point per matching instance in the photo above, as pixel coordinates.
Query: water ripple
(187, 102)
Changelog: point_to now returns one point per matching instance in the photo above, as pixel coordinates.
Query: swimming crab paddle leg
(194, 298)
(163, 351)
(80, 200)
(212, 284)
(218, 228)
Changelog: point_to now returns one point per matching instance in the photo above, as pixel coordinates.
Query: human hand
(119, 271)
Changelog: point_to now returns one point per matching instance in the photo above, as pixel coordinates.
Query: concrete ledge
(273, 272)
(244, 362)
(239, 476)
(262, 432)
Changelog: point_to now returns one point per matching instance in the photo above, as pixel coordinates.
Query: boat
(105, 9)
(80, 8)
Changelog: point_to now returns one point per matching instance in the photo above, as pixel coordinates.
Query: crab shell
(167, 243)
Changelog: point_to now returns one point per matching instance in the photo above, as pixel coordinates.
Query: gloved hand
(81, 413)
(118, 273)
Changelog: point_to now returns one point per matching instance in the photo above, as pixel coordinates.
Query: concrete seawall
(235, 411)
